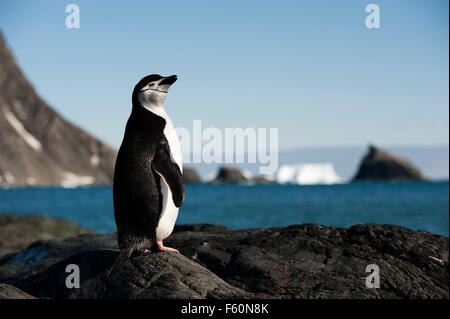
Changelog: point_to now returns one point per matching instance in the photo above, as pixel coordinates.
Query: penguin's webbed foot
(161, 247)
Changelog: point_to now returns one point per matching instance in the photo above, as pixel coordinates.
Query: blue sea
(416, 205)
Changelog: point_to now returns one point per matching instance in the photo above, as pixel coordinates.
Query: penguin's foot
(144, 251)
(161, 247)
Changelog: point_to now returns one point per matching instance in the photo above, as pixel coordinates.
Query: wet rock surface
(301, 261)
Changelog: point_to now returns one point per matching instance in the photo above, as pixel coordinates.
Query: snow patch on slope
(27, 136)
(95, 160)
(9, 178)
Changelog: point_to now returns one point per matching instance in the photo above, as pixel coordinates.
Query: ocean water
(416, 205)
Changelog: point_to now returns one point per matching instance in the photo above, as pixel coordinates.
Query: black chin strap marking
(153, 90)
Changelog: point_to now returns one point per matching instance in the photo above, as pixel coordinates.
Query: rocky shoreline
(299, 261)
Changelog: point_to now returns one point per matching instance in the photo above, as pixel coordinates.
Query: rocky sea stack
(229, 174)
(191, 176)
(299, 261)
(38, 146)
(379, 165)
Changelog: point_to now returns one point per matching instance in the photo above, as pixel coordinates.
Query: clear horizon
(311, 69)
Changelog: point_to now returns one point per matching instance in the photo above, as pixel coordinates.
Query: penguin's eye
(151, 84)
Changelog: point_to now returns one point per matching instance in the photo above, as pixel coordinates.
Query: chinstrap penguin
(148, 184)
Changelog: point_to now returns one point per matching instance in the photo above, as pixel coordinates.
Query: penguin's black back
(136, 189)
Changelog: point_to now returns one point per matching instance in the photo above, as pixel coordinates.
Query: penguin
(148, 186)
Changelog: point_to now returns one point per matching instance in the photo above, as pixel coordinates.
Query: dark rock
(199, 227)
(11, 292)
(263, 179)
(301, 261)
(42, 254)
(313, 261)
(18, 232)
(158, 275)
(381, 165)
(38, 146)
(190, 176)
(228, 174)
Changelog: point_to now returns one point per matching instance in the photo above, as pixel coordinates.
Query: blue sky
(310, 68)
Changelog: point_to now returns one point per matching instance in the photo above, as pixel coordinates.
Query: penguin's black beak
(168, 80)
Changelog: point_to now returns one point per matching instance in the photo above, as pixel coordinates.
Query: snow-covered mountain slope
(38, 146)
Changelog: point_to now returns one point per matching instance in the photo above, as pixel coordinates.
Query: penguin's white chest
(169, 211)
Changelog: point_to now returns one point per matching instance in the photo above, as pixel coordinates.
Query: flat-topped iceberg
(308, 174)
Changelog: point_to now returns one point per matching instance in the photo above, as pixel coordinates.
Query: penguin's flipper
(170, 171)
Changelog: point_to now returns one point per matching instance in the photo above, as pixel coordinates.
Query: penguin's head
(152, 89)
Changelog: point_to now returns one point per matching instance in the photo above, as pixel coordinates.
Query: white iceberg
(308, 174)
(72, 180)
(247, 174)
